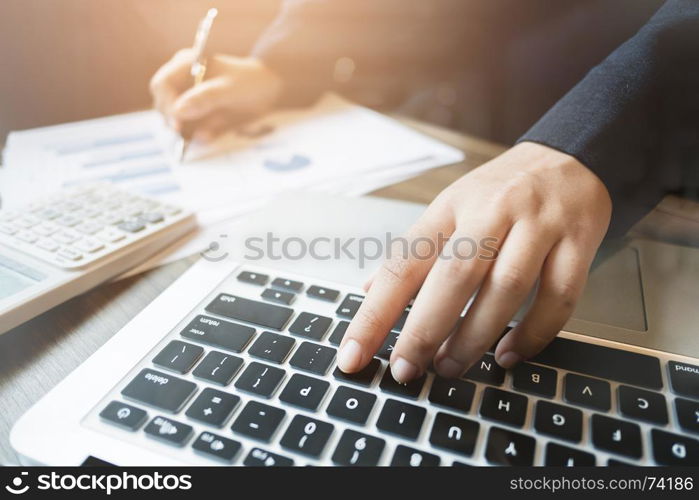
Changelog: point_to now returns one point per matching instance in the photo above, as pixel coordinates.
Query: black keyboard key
(643, 405)
(313, 358)
(351, 405)
(503, 406)
(338, 333)
(688, 414)
(213, 407)
(218, 368)
(603, 362)
(311, 326)
(285, 284)
(534, 379)
(684, 379)
(260, 379)
(350, 305)
(159, 390)
(509, 448)
(410, 390)
(258, 421)
(559, 421)
(452, 393)
(178, 356)
(363, 377)
(357, 449)
(278, 296)
(388, 345)
(559, 455)
(218, 447)
(219, 333)
(307, 436)
(616, 436)
(486, 370)
(125, 416)
(304, 392)
(672, 449)
(322, 293)
(401, 419)
(169, 431)
(254, 278)
(454, 433)
(272, 347)
(250, 311)
(588, 392)
(404, 456)
(262, 458)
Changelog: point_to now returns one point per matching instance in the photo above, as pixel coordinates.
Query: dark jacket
(614, 83)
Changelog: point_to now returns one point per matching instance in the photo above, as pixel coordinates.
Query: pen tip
(180, 149)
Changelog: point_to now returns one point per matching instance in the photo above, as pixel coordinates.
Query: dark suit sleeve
(634, 119)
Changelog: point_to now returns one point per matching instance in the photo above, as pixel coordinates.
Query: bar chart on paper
(334, 146)
(136, 161)
(128, 150)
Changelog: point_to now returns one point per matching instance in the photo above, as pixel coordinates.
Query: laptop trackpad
(614, 294)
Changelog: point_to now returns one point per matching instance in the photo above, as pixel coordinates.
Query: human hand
(546, 214)
(235, 90)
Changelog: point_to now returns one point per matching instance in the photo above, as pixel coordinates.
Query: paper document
(334, 146)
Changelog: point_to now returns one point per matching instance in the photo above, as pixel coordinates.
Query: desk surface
(37, 355)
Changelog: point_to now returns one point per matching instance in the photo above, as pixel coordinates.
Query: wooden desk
(37, 355)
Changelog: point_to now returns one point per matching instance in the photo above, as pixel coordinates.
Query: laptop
(235, 364)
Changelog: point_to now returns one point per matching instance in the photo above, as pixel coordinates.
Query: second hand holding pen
(198, 70)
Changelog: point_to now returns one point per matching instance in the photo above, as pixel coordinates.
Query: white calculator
(61, 246)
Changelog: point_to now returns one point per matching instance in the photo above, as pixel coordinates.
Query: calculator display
(12, 280)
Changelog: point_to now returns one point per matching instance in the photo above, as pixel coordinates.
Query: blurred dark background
(501, 65)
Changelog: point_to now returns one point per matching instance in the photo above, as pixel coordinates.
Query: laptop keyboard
(249, 378)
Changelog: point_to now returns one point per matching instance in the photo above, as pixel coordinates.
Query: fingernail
(449, 368)
(404, 371)
(350, 355)
(509, 359)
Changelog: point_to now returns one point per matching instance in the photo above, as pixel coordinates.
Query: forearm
(625, 119)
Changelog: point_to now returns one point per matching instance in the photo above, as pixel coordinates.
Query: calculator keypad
(79, 226)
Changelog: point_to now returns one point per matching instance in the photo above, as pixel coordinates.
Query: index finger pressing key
(393, 286)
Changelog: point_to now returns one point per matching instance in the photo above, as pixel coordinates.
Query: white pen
(198, 69)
